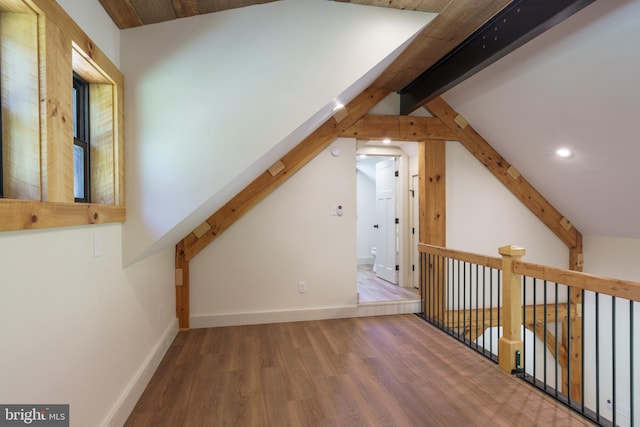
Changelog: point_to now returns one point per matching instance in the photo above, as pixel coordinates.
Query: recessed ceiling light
(563, 152)
(386, 141)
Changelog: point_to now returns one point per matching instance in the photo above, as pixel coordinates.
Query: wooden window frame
(56, 48)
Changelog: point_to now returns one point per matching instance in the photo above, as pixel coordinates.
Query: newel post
(511, 340)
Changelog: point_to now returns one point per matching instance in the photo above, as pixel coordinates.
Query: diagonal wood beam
(399, 128)
(488, 317)
(541, 331)
(505, 172)
(268, 181)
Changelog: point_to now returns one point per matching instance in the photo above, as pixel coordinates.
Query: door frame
(403, 205)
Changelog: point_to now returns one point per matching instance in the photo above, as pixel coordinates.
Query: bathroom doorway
(398, 259)
(376, 213)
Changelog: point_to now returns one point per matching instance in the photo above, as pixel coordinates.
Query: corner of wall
(123, 407)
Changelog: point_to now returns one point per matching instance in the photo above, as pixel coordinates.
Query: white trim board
(121, 410)
(362, 310)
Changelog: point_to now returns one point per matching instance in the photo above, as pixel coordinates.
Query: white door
(415, 232)
(386, 221)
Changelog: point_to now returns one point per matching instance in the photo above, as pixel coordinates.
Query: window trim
(62, 48)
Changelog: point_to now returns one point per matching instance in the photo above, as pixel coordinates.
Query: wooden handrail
(487, 261)
(589, 282)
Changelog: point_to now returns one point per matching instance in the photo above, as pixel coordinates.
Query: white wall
(94, 20)
(78, 329)
(214, 100)
(483, 215)
(75, 328)
(612, 257)
(255, 266)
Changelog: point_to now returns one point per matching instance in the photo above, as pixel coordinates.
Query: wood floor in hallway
(369, 371)
(373, 289)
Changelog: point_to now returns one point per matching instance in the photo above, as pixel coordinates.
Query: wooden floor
(373, 289)
(372, 371)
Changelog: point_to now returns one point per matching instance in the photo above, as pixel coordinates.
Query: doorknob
(375, 226)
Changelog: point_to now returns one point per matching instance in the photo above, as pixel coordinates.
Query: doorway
(376, 213)
(386, 232)
(400, 261)
(380, 204)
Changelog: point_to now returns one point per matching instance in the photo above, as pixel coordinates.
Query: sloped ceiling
(135, 13)
(575, 86)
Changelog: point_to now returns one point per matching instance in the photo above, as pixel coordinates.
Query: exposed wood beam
(432, 190)
(516, 24)
(488, 317)
(152, 12)
(545, 335)
(446, 31)
(432, 204)
(505, 172)
(399, 128)
(434, 6)
(292, 161)
(122, 12)
(182, 288)
(185, 8)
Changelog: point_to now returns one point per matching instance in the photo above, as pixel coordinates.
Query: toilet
(373, 253)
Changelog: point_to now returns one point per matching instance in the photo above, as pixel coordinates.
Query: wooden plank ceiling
(135, 13)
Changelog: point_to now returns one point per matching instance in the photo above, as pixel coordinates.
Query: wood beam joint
(505, 172)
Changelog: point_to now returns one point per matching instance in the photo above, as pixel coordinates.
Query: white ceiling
(575, 86)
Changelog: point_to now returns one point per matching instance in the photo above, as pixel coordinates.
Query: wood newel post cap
(512, 251)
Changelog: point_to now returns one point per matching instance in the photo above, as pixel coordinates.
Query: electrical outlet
(302, 287)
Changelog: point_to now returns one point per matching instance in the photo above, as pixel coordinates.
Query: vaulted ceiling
(135, 13)
(517, 126)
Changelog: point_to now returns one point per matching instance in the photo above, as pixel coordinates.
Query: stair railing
(573, 335)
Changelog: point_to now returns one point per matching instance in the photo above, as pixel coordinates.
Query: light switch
(97, 245)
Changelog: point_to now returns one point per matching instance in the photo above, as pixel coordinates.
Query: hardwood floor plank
(373, 289)
(373, 371)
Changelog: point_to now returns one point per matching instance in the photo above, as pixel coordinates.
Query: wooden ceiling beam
(512, 27)
(505, 172)
(154, 11)
(399, 128)
(122, 12)
(185, 8)
(433, 6)
(269, 180)
(446, 31)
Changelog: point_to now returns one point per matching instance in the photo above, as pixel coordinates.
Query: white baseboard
(362, 310)
(127, 401)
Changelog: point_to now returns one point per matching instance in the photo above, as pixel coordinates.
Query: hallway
(371, 289)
